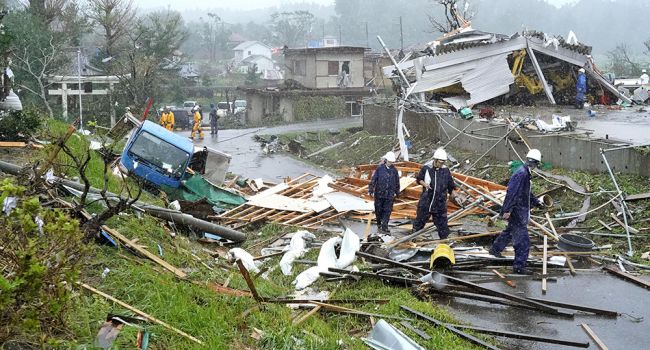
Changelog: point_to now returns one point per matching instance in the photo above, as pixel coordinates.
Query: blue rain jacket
(519, 197)
(442, 183)
(384, 183)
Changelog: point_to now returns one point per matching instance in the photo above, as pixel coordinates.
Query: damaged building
(468, 66)
(332, 78)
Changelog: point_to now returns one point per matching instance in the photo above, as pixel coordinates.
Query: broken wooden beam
(456, 331)
(594, 337)
(540, 306)
(139, 312)
(504, 279)
(523, 336)
(417, 331)
(626, 276)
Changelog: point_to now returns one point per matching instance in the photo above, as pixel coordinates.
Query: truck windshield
(239, 103)
(223, 105)
(161, 154)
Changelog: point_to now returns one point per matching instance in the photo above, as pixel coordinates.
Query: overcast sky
(248, 4)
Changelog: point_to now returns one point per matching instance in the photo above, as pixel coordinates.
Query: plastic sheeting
(386, 337)
(196, 188)
(296, 249)
(559, 123)
(483, 78)
(327, 258)
(245, 257)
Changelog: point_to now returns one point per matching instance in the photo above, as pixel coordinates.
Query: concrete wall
(316, 69)
(560, 151)
(324, 80)
(254, 108)
(286, 108)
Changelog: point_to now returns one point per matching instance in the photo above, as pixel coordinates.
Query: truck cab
(161, 157)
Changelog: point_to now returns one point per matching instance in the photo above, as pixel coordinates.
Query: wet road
(249, 161)
(595, 289)
(630, 125)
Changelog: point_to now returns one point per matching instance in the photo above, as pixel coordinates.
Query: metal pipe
(491, 148)
(620, 194)
(392, 59)
(159, 212)
(459, 133)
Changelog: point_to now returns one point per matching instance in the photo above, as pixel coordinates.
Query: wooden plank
(504, 279)
(146, 253)
(618, 221)
(544, 259)
(628, 277)
(636, 197)
(15, 144)
(594, 337)
(550, 224)
(605, 225)
(571, 268)
(139, 312)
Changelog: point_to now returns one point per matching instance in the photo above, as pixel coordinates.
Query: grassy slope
(217, 319)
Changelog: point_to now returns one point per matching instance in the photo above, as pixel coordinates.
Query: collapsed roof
(483, 66)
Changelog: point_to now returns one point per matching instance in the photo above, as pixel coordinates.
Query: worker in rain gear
(437, 183)
(516, 210)
(214, 117)
(197, 123)
(644, 79)
(167, 119)
(581, 88)
(384, 187)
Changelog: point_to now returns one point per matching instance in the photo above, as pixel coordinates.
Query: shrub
(19, 124)
(40, 253)
(320, 107)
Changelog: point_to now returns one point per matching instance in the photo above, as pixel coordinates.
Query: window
(152, 150)
(299, 67)
(333, 68)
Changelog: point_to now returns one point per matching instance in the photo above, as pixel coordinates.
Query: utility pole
(401, 34)
(367, 41)
(81, 119)
(340, 36)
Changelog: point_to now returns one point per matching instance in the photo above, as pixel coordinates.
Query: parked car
(182, 119)
(240, 106)
(223, 108)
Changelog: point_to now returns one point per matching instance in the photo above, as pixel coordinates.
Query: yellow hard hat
(442, 256)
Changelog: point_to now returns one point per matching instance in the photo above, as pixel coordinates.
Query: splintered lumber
(594, 337)
(550, 224)
(146, 253)
(345, 310)
(450, 328)
(571, 268)
(523, 336)
(504, 279)
(307, 315)
(618, 221)
(249, 281)
(626, 276)
(636, 197)
(139, 312)
(539, 306)
(13, 144)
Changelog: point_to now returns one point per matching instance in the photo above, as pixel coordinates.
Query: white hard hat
(440, 154)
(390, 156)
(643, 71)
(534, 154)
(581, 70)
